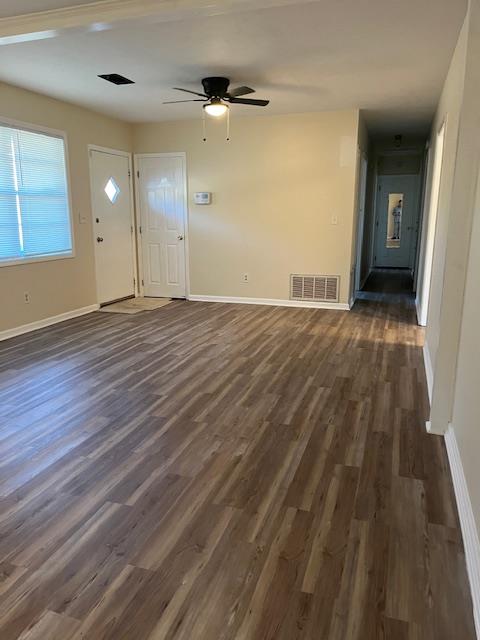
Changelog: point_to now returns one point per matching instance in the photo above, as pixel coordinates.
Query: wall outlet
(245, 277)
(334, 220)
(26, 297)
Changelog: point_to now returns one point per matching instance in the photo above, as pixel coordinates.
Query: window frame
(54, 133)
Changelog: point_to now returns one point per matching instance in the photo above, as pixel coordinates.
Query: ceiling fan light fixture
(216, 108)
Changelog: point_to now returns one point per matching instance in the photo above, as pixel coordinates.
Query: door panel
(112, 226)
(397, 221)
(162, 211)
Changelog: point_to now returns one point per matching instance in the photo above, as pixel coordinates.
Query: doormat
(135, 305)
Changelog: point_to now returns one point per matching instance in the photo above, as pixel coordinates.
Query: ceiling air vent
(314, 288)
(116, 78)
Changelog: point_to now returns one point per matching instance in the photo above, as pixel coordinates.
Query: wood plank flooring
(220, 472)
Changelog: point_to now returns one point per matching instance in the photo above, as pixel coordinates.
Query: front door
(397, 221)
(112, 225)
(161, 193)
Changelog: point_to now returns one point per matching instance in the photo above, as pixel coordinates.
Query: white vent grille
(314, 288)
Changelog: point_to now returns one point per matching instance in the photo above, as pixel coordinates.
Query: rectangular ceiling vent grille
(314, 288)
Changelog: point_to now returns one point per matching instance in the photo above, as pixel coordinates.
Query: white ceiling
(389, 58)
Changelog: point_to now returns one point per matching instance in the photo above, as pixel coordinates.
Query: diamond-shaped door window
(112, 190)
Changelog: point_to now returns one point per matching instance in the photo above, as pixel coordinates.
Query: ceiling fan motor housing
(215, 87)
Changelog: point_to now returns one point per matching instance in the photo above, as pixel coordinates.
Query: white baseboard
(341, 306)
(428, 370)
(467, 522)
(46, 322)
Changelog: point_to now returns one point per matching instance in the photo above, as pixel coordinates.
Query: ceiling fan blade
(240, 91)
(195, 93)
(257, 103)
(177, 101)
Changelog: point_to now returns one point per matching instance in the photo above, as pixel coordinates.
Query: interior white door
(397, 221)
(112, 225)
(161, 190)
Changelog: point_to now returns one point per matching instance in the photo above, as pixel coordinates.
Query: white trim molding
(46, 322)
(339, 306)
(467, 522)
(428, 370)
(418, 311)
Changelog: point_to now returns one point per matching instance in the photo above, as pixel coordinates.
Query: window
(34, 204)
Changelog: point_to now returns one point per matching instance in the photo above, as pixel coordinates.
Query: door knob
(180, 237)
(99, 239)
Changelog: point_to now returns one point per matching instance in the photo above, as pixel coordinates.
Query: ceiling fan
(216, 96)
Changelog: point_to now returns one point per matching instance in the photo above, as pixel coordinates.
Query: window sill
(33, 259)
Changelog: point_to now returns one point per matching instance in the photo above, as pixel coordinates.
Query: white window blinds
(34, 207)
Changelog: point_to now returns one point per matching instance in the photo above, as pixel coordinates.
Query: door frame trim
(171, 154)
(124, 154)
(361, 209)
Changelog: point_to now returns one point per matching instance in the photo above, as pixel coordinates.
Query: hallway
(218, 471)
(390, 281)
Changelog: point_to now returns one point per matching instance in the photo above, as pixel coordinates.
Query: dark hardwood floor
(215, 472)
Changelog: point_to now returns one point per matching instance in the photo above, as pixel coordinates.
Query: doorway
(429, 229)
(362, 193)
(113, 224)
(162, 206)
(396, 226)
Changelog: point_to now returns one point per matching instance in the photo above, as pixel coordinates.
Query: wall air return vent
(314, 288)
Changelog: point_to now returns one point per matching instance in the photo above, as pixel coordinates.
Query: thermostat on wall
(203, 197)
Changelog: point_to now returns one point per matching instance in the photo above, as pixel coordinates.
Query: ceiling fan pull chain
(228, 125)
(204, 126)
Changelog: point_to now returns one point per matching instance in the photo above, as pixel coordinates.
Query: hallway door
(396, 227)
(161, 183)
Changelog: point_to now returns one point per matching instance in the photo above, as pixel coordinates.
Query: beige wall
(452, 332)
(58, 286)
(276, 186)
(448, 111)
(394, 165)
(455, 217)
(363, 135)
(466, 412)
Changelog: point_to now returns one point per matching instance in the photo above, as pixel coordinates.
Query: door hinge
(140, 229)
(129, 174)
(134, 282)
(142, 283)
(138, 174)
